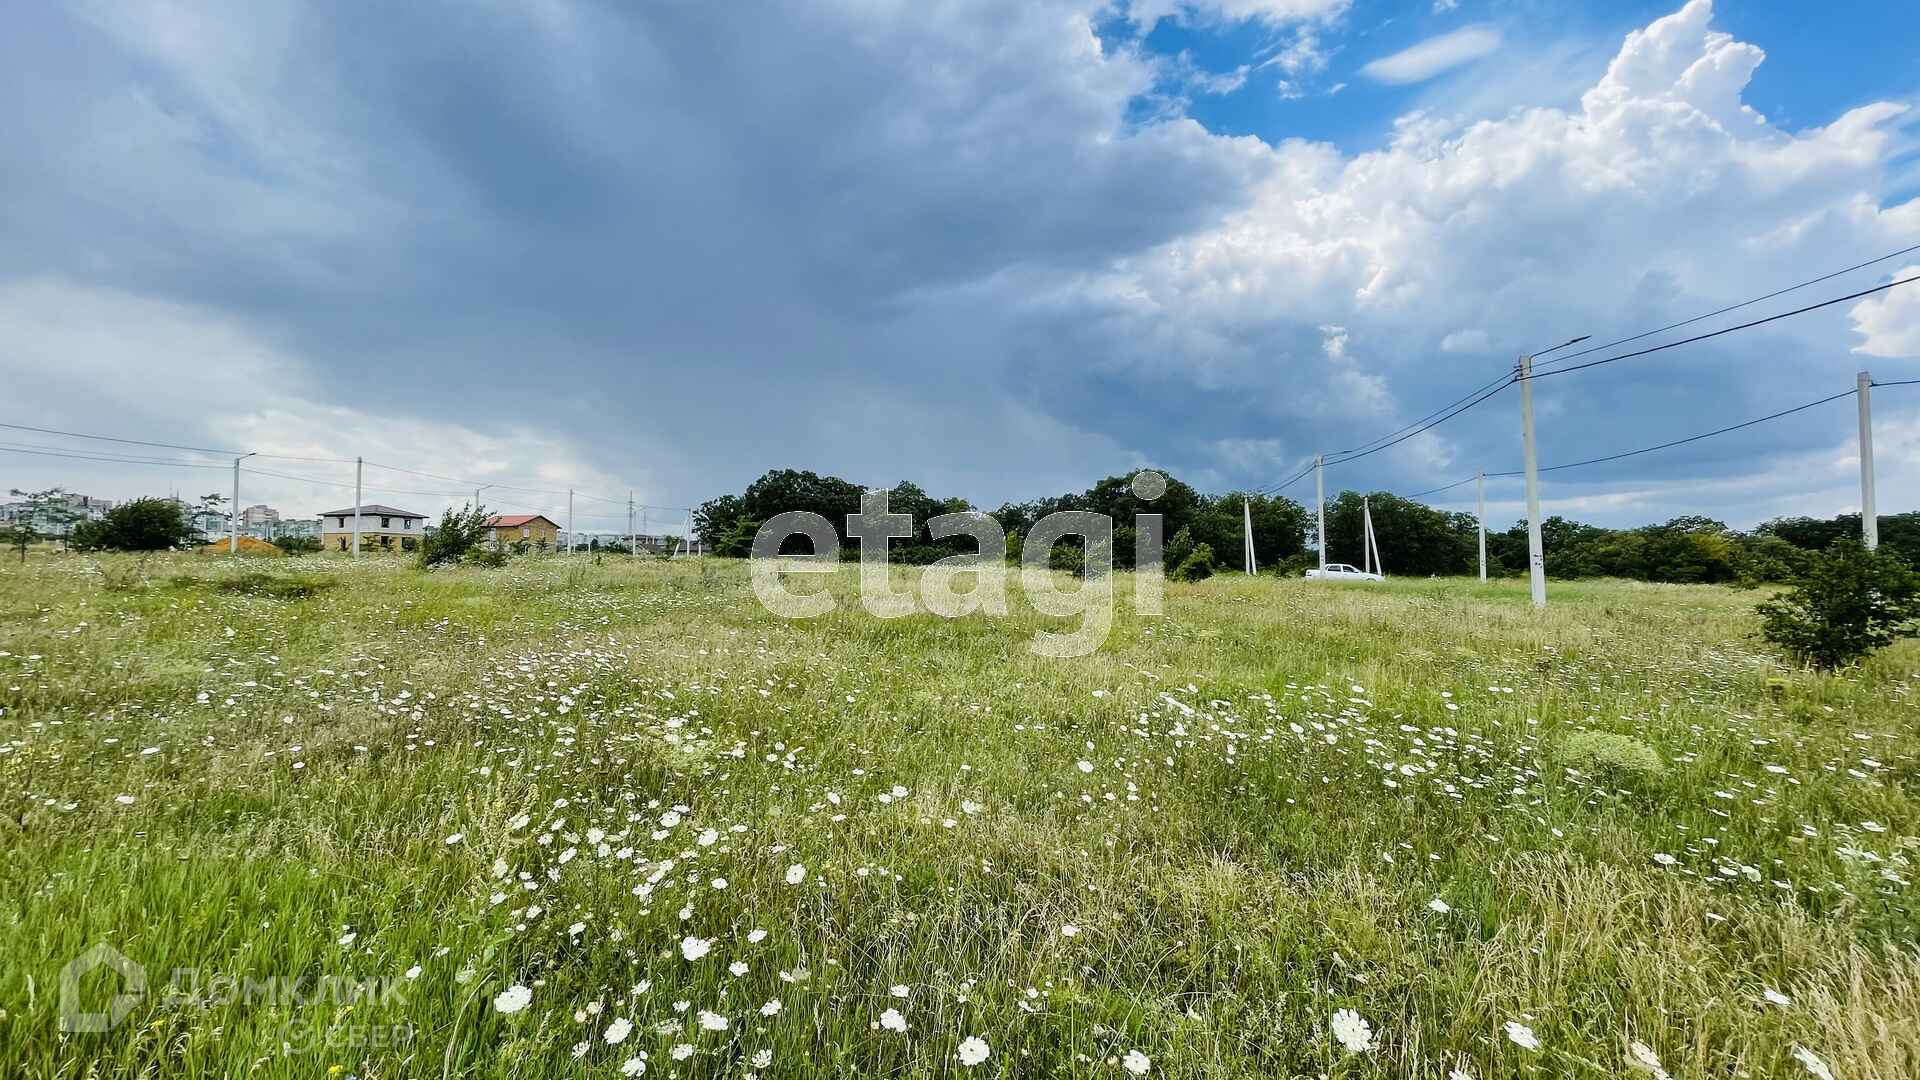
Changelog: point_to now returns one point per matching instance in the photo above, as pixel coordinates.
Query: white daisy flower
(1522, 1035)
(512, 999)
(1353, 1031)
(1641, 1057)
(693, 948)
(973, 1050)
(1811, 1062)
(618, 1031)
(893, 1021)
(1137, 1063)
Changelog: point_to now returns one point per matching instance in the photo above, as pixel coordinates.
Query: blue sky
(1001, 248)
(1818, 65)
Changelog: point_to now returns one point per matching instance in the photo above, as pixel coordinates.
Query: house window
(343, 522)
(525, 532)
(386, 522)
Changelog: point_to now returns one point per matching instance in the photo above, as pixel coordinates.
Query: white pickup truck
(1342, 572)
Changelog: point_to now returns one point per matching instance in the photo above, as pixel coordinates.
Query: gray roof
(375, 509)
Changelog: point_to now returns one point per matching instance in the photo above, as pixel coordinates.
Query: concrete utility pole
(1480, 497)
(569, 521)
(1246, 510)
(358, 466)
(1366, 543)
(1869, 513)
(631, 540)
(1536, 555)
(476, 494)
(233, 512)
(1320, 505)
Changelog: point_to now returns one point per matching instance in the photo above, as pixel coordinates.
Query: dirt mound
(248, 546)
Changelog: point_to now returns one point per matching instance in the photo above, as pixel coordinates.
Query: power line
(1275, 489)
(129, 442)
(1727, 330)
(1502, 380)
(1475, 397)
(169, 446)
(36, 452)
(78, 454)
(1659, 446)
(1443, 418)
(1444, 487)
(1690, 438)
(1735, 307)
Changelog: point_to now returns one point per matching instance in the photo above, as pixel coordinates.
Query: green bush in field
(1196, 566)
(1849, 602)
(1610, 759)
(460, 532)
(136, 525)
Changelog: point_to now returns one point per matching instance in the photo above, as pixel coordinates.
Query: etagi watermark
(194, 987)
(873, 527)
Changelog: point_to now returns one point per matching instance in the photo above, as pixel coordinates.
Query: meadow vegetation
(611, 818)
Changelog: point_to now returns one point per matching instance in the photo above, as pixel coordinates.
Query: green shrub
(1847, 603)
(491, 557)
(1196, 566)
(1069, 558)
(136, 525)
(1178, 549)
(737, 541)
(460, 532)
(1611, 759)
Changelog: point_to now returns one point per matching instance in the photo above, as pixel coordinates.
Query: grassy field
(699, 841)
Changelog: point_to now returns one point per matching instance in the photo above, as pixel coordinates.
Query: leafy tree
(737, 541)
(1195, 565)
(781, 490)
(211, 503)
(1850, 602)
(19, 537)
(137, 525)
(1413, 538)
(1279, 528)
(44, 508)
(714, 518)
(460, 533)
(1179, 547)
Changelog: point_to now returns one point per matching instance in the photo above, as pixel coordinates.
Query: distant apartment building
(52, 520)
(382, 528)
(296, 529)
(586, 541)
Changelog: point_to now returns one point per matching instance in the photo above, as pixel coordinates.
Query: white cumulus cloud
(1434, 55)
(1890, 321)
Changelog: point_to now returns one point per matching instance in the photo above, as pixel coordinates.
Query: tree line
(1204, 532)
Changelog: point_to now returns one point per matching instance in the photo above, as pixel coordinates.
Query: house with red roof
(533, 530)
